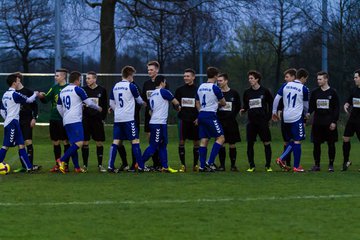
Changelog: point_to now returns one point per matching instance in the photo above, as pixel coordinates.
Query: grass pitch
(224, 205)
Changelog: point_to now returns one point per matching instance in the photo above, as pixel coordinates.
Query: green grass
(225, 205)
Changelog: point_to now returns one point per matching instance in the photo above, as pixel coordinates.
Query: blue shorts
(209, 126)
(125, 131)
(13, 135)
(75, 132)
(158, 134)
(294, 131)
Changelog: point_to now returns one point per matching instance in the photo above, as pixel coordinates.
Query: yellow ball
(4, 168)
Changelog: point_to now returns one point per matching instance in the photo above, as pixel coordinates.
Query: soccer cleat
(20, 170)
(85, 168)
(331, 168)
(234, 169)
(268, 169)
(298, 169)
(282, 165)
(251, 169)
(145, 169)
(346, 166)
(80, 170)
(36, 167)
(54, 168)
(206, 169)
(195, 168)
(62, 166)
(113, 170)
(169, 170)
(182, 168)
(101, 169)
(124, 167)
(212, 166)
(221, 169)
(315, 169)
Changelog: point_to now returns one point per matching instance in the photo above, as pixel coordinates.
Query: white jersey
(10, 104)
(208, 94)
(159, 104)
(295, 96)
(122, 100)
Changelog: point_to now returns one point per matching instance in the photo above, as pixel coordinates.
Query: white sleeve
(3, 113)
(91, 104)
(306, 107)
(60, 110)
(139, 100)
(31, 99)
(112, 104)
(276, 103)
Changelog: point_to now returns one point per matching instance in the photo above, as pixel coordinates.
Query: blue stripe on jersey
(166, 94)
(112, 94)
(306, 93)
(280, 92)
(81, 93)
(59, 102)
(2, 106)
(19, 98)
(134, 90)
(197, 96)
(217, 92)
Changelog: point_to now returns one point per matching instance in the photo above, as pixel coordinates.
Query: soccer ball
(4, 168)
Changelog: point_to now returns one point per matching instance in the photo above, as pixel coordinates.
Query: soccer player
(70, 107)
(28, 115)
(10, 108)
(258, 103)
(57, 130)
(93, 121)
(227, 118)
(188, 128)
(159, 103)
(295, 97)
(208, 98)
(324, 103)
(353, 123)
(122, 102)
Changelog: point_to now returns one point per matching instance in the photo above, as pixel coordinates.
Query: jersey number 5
(121, 101)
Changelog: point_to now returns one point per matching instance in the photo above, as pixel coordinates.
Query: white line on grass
(175, 201)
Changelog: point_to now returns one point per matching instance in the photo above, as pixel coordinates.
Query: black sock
(317, 154)
(222, 156)
(182, 154)
(268, 154)
(156, 159)
(196, 155)
(57, 151)
(99, 153)
(250, 154)
(346, 151)
(287, 158)
(30, 153)
(122, 153)
(232, 155)
(331, 153)
(85, 154)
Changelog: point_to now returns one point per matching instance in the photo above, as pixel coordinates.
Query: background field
(224, 205)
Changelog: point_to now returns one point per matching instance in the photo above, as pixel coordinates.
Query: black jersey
(28, 110)
(325, 105)
(99, 96)
(232, 108)
(258, 103)
(186, 97)
(354, 101)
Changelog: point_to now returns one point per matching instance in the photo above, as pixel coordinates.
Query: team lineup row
(207, 111)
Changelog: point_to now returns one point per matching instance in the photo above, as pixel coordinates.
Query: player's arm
(236, 105)
(103, 103)
(306, 100)
(277, 99)
(167, 95)
(82, 94)
(269, 103)
(135, 92)
(20, 98)
(347, 104)
(112, 102)
(246, 104)
(336, 110)
(60, 107)
(312, 102)
(47, 97)
(2, 110)
(197, 102)
(219, 95)
(34, 112)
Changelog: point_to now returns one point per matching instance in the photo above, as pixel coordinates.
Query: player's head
(75, 78)
(91, 77)
(322, 78)
(212, 73)
(189, 76)
(128, 73)
(357, 77)
(153, 68)
(254, 77)
(13, 80)
(222, 80)
(160, 81)
(302, 75)
(61, 75)
(290, 75)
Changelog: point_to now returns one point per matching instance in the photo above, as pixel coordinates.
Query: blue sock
(214, 152)
(288, 150)
(24, 158)
(297, 154)
(112, 157)
(137, 153)
(202, 156)
(69, 153)
(2, 154)
(75, 159)
(163, 156)
(149, 151)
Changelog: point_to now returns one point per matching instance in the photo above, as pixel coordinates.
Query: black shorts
(93, 128)
(231, 131)
(146, 122)
(322, 133)
(57, 130)
(261, 129)
(188, 130)
(26, 130)
(352, 128)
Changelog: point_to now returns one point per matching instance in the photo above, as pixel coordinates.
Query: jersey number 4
(293, 98)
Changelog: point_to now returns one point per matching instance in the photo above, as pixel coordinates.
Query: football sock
(112, 157)
(30, 153)
(196, 155)
(182, 154)
(2, 154)
(75, 159)
(149, 151)
(331, 151)
(288, 150)
(85, 154)
(297, 154)
(57, 151)
(163, 155)
(232, 155)
(268, 154)
(66, 147)
(136, 151)
(99, 153)
(287, 159)
(317, 154)
(122, 153)
(214, 152)
(202, 156)
(222, 156)
(69, 153)
(156, 159)
(250, 154)
(346, 151)
(24, 158)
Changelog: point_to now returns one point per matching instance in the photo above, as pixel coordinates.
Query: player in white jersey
(70, 107)
(295, 97)
(159, 104)
(10, 108)
(122, 102)
(208, 98)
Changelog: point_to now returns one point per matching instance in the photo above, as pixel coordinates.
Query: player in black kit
(258, 103)
(93, 120)
(353, 124)
(324, 102)
(188, 128)
(227, 117)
